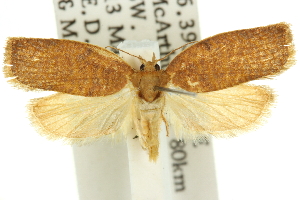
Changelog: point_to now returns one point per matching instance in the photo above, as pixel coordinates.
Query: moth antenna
(175, 50)
(139, 57)
(163, 89)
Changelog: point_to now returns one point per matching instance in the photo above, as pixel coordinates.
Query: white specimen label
(171, 23)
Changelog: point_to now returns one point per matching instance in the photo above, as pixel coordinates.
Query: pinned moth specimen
(99, 94)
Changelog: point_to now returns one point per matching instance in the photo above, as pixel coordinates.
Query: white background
(263, 164)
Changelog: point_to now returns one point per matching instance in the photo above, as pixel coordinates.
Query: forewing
(223, 113)
(64, 66)
(231, 58)
(78, 119)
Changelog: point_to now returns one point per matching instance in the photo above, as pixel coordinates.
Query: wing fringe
(186, 132)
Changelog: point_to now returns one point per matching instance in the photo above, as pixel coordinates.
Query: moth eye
(157, 67)
(142, 67)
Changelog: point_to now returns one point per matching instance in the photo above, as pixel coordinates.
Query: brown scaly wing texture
(231, 58)
(64, 66)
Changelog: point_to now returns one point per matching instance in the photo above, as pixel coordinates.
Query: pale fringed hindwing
(81, 120)
(224, 113)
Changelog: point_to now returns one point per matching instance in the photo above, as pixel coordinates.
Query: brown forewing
(231, 58)
(65, 66)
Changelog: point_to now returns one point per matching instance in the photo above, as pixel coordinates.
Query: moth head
(149, 66)
(152, 65)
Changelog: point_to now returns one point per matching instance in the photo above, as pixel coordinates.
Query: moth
(99, 94)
